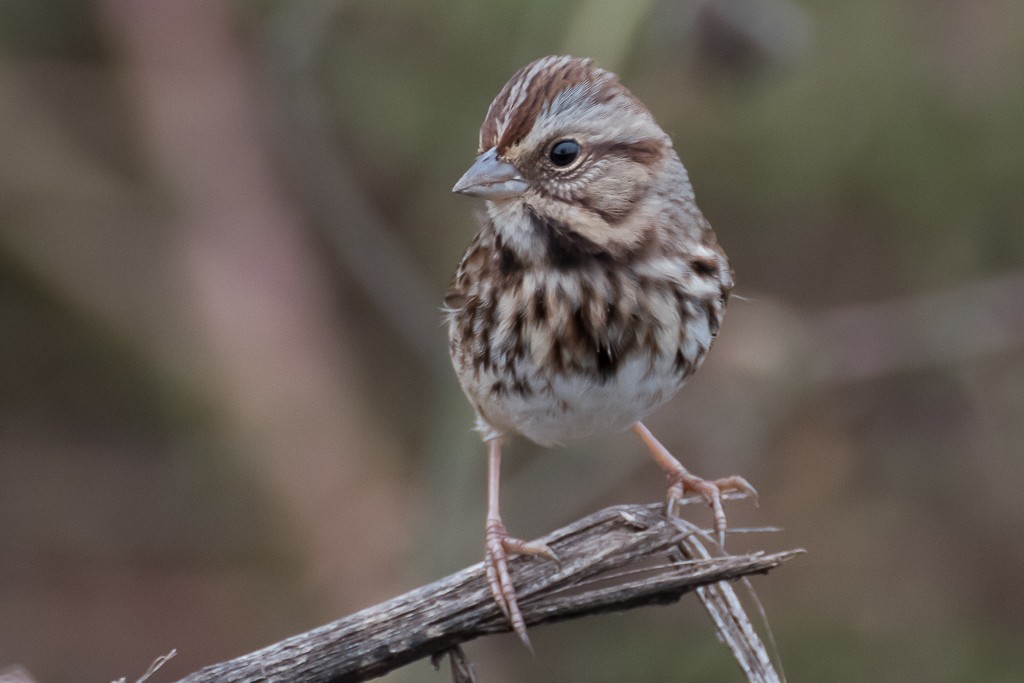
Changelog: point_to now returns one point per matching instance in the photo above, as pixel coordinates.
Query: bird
(593, 289)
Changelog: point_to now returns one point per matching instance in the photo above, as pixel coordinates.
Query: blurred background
(227, 413)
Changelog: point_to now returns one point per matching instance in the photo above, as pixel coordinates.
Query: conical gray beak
(491, 178)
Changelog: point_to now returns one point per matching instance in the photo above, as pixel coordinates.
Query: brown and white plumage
(594, 287)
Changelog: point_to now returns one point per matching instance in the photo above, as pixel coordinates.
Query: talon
(675, 494)
(491, 566)
(711, 491)
(681, 481)
(738, 484)
(498, 545)
(514, 545)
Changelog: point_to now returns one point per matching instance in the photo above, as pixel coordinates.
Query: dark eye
(564, 152)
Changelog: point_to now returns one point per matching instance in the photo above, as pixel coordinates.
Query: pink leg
(497, 546)
(681, 481)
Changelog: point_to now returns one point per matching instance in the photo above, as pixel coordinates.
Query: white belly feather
(573, 406)
(565, 406)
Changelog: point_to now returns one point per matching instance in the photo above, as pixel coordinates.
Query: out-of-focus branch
(253, 294)
(619, 558)
(361, 241)
(955, 325)
(865, 341)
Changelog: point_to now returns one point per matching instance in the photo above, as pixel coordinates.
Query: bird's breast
(557, 357)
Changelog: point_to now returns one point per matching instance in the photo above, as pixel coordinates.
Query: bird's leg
(499, 544)
(681, 481)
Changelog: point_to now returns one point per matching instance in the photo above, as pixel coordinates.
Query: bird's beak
(491, 178)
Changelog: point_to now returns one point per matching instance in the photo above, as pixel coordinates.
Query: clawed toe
(499, 579)
(514, 545)
(682, 482)
(739, 485)
(498, 547)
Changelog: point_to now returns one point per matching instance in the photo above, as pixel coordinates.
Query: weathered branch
(616, 559)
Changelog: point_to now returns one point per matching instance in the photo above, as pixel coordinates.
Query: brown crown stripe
(545, 86)
(543, 89)
(489, 129)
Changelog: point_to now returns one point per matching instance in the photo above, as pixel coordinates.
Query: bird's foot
(497, 549)
(682, 482)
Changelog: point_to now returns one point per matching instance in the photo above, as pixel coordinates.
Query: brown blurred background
(226, 409)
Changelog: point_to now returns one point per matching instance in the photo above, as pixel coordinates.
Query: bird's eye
(564, 152)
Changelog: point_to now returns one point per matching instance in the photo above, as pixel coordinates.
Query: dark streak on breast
(540, 307)
(454, 300)
(607, 363)
(704, 266)
(714, 320)
(508, 262)
(682, 365)
(483, 324)
(565, 248)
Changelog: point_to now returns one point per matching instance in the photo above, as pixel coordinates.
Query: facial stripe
(646, 151)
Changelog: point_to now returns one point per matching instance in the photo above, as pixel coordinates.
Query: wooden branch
(616, 559)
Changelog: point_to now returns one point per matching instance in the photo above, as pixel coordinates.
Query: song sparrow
(594, 287)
